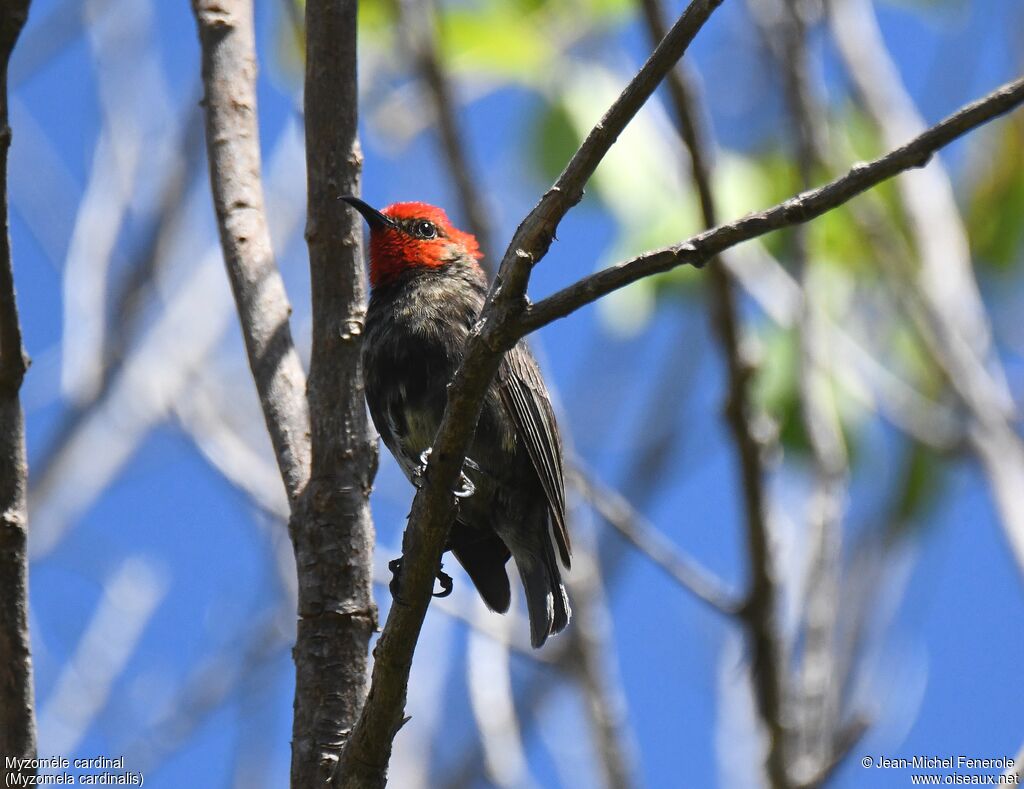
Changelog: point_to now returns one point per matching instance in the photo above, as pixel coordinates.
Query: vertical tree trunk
(17, 718)
(333, 536)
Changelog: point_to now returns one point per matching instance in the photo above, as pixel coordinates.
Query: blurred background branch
(759, 610)
(953, 320)
(416, 21)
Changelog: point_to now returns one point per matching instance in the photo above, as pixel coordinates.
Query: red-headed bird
(427, 291)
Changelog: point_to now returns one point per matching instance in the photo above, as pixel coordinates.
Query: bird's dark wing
(526, 398)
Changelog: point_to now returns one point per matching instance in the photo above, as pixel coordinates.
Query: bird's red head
(408, 236)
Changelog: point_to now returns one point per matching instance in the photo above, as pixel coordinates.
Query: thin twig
(17, 716)
(804, 207)
(365, 760)
(621, 515)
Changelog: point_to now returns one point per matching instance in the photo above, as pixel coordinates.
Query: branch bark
(325, 451)
(366, 757)
(334, 536)
(233, 151)
(17, 704)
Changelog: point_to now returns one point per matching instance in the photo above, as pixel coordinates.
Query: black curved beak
(374, 217)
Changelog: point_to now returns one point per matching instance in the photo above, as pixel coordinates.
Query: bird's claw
(447, 584)
(419, 476)
(395, 566)
(466, 487)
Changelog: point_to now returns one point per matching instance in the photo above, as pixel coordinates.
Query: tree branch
(233, 150)
(17, 716)
(334, 535)
(325, 455)
(620, 515)
(365, 760)
(804, 207)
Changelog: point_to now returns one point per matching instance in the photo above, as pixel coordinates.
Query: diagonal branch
(365, 761)
(17, 716)
(620, 514)
(804, 207)
(605, 701)
(233, 149)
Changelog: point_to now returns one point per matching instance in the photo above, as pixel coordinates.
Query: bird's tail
(546, 600)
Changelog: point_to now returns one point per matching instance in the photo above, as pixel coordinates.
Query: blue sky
(946, 676)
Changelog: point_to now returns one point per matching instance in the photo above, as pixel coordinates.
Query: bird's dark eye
(424, 229)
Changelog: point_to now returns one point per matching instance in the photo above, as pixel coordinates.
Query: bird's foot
(466, 487)
(395, 566)
(419, 476)
(447, 584)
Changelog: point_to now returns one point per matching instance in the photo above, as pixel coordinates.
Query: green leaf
(554, 141)
(496, 40)
(922, 480)
(775, 387)
(995, 215)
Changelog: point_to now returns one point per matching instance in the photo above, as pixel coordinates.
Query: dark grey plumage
(416, 329)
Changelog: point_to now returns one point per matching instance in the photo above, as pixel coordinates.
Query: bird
(427, 290)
